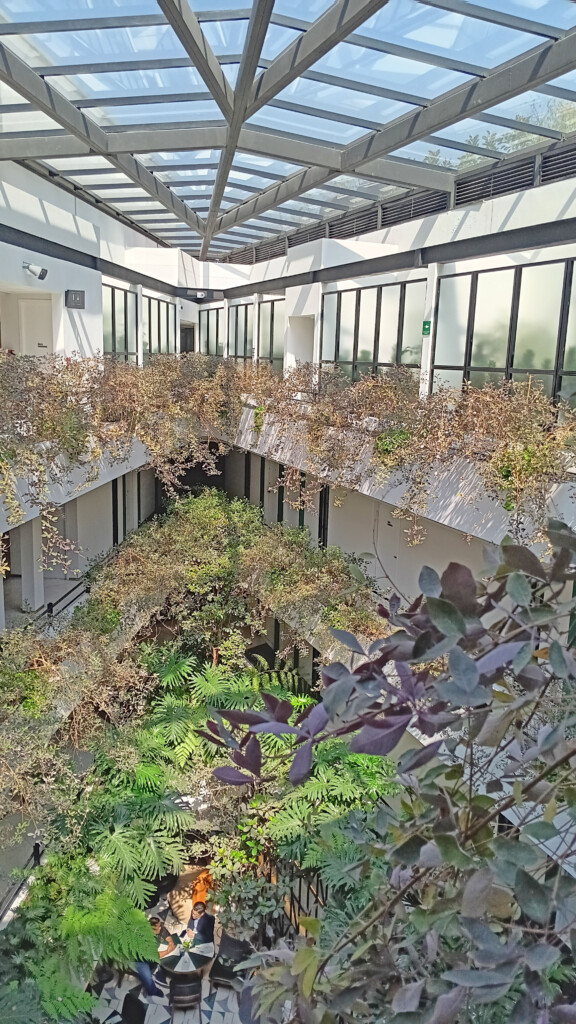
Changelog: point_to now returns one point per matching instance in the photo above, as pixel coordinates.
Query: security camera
(35, 271)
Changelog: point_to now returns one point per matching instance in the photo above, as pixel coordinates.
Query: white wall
(94, 513)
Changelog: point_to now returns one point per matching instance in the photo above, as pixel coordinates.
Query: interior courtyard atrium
(287, 511)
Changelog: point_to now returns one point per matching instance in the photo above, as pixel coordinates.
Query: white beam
(187, 28)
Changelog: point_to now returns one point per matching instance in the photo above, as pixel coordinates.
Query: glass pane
(249, 330)
(452, 320)
(415, 298)
(568, 390)
(154, 338)
(538, 316)
(119, 324)
(240, 331)
(492, 318)
(219, 332)
(367, 324)
(541, 382)
(347, 322)
(570, 349)
(329, 326)
(203, 330)
(131, 332)
(389, 309)
(480, 378)
(265, 324)
(171, 327)
(163, 327)
(447, 379)
(279, 330)
(146, 325)
(107, 319)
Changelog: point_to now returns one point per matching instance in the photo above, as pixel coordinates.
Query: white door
(35, 327)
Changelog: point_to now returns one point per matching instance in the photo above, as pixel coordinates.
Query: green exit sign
(425, 328)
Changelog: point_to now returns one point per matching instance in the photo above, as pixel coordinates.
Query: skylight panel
(359, 64)
(447, 33)
(225, 37)
(550, 12)
(262, 164)
(344, 101)
(27, 121)
(305, 125)
(133, 83)
(306, 10)
(147, 113)
(536, 108)
(440, 156)
(36, 10)
(277, 39)
(488, 136)
(102, 45)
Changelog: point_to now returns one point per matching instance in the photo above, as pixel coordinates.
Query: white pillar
(428, 320)
(2, 613)
(31, 558)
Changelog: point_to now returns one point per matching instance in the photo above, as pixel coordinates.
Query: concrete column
(2, 613)
(429, 318)
(131, 501)
(31, 556)
(71, 521)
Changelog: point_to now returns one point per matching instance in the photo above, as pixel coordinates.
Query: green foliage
(388, 441)
(258, 419)
(173, 668)
(96, 616)
(248, 902)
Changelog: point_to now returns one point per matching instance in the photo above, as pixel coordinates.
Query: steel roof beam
(19, 76)
(27, 28)
(342, 18)
(535, 68)
(520, 126)
(187, 27)
(132, 101)
(504, 82)
(257, 29)
(394, 172)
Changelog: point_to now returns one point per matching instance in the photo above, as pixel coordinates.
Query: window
(159, 326)
(367, 328)
(119, 321)
(240, 332)
(513, 323)
(271, 334)
(211, 328)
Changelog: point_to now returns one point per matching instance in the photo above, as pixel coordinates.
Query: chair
(184, 994)
(133, 1010)
(231, 952)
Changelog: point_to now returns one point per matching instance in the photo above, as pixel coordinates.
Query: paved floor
(53, 590)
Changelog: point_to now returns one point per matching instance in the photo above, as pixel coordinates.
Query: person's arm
(170, 947)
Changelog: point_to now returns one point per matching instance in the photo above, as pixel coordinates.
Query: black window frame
(121, 349)
(509, 371)
(214, 320)
(275, 362)
(374, 365)
(158, 311)
(243, 311)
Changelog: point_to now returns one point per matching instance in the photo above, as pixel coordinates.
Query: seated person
(201, 930)
(144, 969)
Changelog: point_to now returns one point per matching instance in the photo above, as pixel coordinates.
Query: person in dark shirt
(143, 968)
(201, 930)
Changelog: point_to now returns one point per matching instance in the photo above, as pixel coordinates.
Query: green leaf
(470, 978)
(523, 657)
(451, 851)
(464, 670)
(540, 830)
(519, 589)
(523, 560)
(429, 582)
(408, 852)
(495, 727)
(534, 899)
(311, 924)
(541, 956)
(446, 617)
(557, 660)
(476, 893)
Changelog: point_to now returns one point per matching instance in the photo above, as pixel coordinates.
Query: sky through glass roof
(218, 123)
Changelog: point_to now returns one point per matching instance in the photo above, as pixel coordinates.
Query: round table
(184, 962)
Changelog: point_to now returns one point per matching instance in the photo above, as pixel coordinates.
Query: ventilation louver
(495, 183)
(242, 256)
(558, 165)
(307, 235)
(268, 250)
(354, 223)
(420, 205)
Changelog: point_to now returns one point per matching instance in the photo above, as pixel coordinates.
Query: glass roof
(332, 126)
